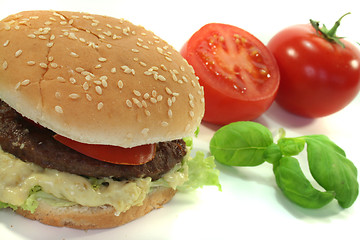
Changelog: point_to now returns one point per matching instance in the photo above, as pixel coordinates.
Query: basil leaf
(272, 154)
(291, 146)
(241, 143)
(331, 169)
(296, 187)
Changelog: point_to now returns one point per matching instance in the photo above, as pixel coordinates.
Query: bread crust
(97, 79)
(80, 217)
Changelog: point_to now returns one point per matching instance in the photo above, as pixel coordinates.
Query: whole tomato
(319, 72)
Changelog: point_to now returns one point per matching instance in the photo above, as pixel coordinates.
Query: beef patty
(36, 144)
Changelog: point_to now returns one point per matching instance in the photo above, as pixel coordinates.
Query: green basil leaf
(296, 187)
(241, 143)
(291, 146)
(272, 153)
(331, 169)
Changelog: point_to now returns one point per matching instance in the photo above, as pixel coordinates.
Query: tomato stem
(329, 35)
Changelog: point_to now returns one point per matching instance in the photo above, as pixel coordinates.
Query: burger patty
(36, 144)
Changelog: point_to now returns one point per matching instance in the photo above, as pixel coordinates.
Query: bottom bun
(81, 217)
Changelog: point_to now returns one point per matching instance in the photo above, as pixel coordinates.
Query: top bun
(97, 79)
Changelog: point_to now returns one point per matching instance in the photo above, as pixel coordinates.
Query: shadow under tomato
(285, 118)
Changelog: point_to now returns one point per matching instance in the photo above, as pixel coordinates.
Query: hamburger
(94, 114)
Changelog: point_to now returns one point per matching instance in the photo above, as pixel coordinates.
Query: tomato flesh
(318, 78)
(112, 154)
(239, 74)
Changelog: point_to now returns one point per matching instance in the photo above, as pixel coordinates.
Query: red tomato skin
(112, 154)
(317, 78)
(222, 107)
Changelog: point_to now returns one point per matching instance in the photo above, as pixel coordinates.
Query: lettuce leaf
(202, 172)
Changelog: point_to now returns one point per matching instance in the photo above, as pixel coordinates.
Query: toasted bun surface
(97, 79)
(80, 217)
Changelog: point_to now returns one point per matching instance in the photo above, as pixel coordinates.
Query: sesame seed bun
(81, 217)
(97, 79)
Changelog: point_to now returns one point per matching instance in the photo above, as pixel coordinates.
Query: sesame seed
(31, 63)
(54, 65)
(72, 80)
(88, 77)
(88, 97)
(74, 96)
(161, 78)
(120, 84)
(43, 65)
(137, 102)
(5, 65)
(18, 53)
(98, 66)
(137, 93)
(6, 43)
(146, 95)
(192, 105)
(153, 100)
(17, 86)
(113, 70)
(108, 45)
(159, 98)
(168, 58)
(191, 113)
(142, 64)
(42, 37)
(79, 69)
(145, 131)
(63, 22)
(147, 112)
(82, 40)
(52, 37)
(168, 91)
(74, 54)
(72, 36)
(170, 113)
(98, 90)
(102, 59)
(50, 58)
(100, 105)
(60, 79)
(25, 82)
(169, 101)
(104, 83)
(164, 124)
(163, 67)
(128, 103)
(103, 78)
(59, 109)
(153, 93)
(135, 50)
(31, 35)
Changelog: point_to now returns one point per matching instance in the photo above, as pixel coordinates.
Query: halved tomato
(112, 154)
(239, 74)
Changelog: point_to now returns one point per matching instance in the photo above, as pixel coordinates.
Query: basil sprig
(251, 144)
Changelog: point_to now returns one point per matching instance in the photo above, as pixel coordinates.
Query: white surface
(250, 205)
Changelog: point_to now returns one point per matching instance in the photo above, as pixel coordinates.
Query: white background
(250, 205)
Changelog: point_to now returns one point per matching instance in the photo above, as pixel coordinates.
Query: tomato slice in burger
(112, 154)
(239, 74)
